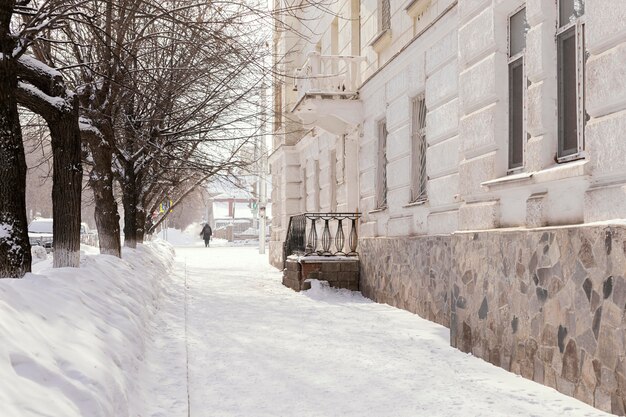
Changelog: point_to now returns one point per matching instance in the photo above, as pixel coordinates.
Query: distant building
(237, 209)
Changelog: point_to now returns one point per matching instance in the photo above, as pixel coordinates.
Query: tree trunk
(15, 256)
(106, 214)
(66, 154)
(130, 201)
(66, 188)
(142, 219)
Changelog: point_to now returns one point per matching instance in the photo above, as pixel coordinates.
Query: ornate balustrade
(322, 234)
(329, 74)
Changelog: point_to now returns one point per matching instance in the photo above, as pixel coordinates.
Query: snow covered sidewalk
(256, 348)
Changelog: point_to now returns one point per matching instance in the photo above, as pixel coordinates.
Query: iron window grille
(419, 146)
(381, 173)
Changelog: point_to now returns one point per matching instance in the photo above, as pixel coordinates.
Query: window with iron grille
(517, 89)
(381, 172)
(385, 15)
(571, 75)
(419, 147)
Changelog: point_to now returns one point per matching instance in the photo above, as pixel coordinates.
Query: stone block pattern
(412, 273)
(339, 274)
(547, 304)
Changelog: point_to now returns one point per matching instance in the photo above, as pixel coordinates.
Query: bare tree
(15, 257)
(26, 81)
(41, 89)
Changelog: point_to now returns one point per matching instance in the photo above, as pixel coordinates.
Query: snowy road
(256, 348)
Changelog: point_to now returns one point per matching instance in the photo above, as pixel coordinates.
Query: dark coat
(206, 232)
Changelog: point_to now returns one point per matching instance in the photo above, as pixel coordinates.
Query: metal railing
(329, 74)
(322, 234)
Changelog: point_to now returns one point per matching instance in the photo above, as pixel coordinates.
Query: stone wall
(412, 273)
(548, 304)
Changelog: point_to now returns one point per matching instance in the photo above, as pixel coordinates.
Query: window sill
(568, 158)
(416, 203)
(381, 41)
(575, 168)
(520, 177)
(378, 210)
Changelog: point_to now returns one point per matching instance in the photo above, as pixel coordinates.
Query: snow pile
(73, 339)
(322, 291)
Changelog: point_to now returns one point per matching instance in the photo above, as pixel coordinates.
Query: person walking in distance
(206, 234)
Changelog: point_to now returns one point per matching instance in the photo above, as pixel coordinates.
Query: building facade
(483, 143)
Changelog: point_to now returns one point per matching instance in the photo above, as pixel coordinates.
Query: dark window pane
(381, 188)
(568, 126)
(516, 113)
(569, 10)
(517, 32)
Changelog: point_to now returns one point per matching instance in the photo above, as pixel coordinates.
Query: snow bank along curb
(73, 338)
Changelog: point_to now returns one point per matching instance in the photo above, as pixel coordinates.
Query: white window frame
(381, 169)
(579, 25)
(419, 144)
(511, 60)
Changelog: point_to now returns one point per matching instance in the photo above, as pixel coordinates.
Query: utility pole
(262, 175)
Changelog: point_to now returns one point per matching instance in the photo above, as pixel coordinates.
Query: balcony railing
(322, 234)
(329, 75)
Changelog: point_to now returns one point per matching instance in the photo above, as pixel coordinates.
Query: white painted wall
(457, 55)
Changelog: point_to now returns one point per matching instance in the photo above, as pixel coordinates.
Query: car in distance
(40, 233)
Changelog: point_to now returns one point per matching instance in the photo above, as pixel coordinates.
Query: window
(517, 89)
(384, 22)
(570, 71)
(381, 172)
(418, 149)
